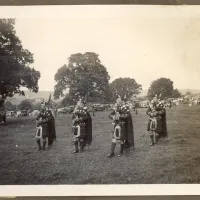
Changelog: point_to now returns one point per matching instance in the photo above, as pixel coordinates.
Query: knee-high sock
(121, 148)
(39, 144)
(113, 145)
(76, 146)
(151, 137)
(44, 144)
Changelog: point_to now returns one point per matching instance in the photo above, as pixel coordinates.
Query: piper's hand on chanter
(80, 119)
(117, 116)
(151, 114)
(38, 121)
(75, 120)
(124, 116)
(44, 120)
(154, 114)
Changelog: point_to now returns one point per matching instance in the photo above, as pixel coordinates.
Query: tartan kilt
(44, 131)
(123, 132)
(82, 131)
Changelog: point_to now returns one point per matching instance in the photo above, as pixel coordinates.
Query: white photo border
(67, 11)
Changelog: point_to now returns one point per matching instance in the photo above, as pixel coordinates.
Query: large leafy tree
(9, 106)
(125, 87)
(84, 76)
(68, 100)
(26, 105)
(188, 93)
(164, 87)
(15, 61)
(105, 97)
(176, 93)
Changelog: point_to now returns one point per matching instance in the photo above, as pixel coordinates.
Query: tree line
(83, 76)
(25, 104)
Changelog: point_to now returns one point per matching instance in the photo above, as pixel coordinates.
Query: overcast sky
(144, 43)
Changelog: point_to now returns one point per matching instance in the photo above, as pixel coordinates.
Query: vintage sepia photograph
(100, 95)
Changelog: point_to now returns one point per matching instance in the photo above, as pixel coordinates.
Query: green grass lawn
(174, 160)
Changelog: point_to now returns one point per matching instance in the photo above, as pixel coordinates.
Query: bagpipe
(154, 111)
(78, 127)
(117, 121)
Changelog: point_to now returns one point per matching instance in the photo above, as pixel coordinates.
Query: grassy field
(174, 160)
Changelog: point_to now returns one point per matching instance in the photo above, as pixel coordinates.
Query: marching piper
(123, 127)
(82, 127)
(42, 127)
(156, 110)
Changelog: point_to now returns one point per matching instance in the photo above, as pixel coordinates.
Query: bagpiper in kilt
(123, 128)
(157, 111)
(81, 128)
(42, 129)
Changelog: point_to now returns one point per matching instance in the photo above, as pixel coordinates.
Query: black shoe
(122, 150)
(76, 147)
(39, 149)
(76, 151)
(110, 155)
